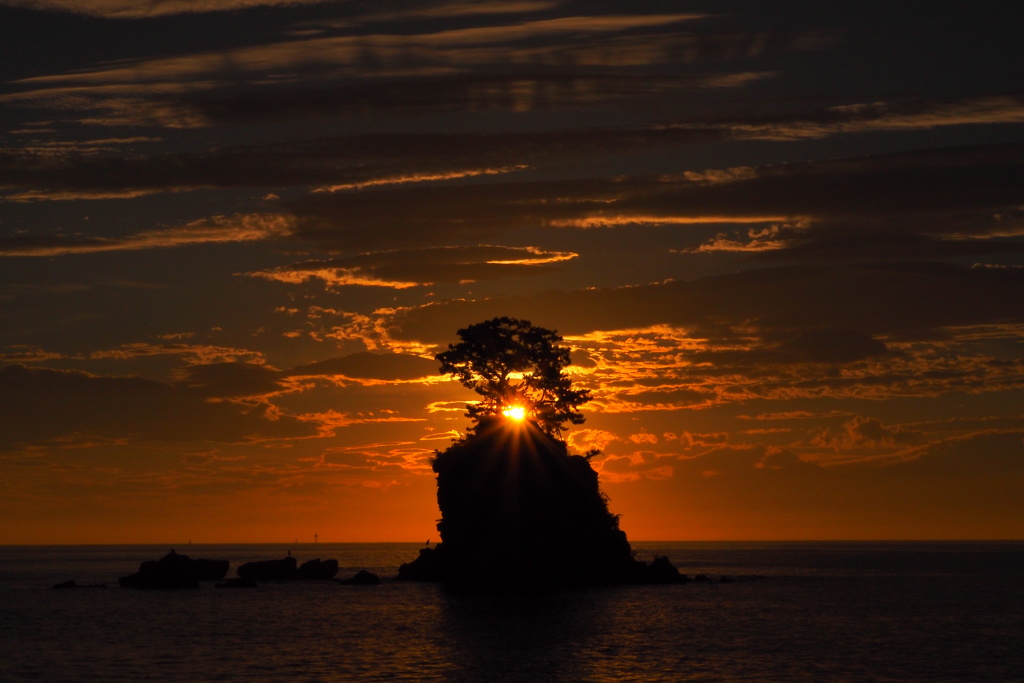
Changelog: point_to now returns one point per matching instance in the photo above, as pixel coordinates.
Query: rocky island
(517, 509)
(174, 570)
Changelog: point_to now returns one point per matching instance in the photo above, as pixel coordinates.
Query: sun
(514, 413)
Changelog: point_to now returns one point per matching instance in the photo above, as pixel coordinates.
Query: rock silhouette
(287, 569)
(274, 570)
(361, 578)
(175, 571)
(317, 569)
(518, 511)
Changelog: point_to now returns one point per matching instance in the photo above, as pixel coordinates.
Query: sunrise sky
(785, 241)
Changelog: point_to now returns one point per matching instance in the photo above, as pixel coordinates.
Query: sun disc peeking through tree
(518, 369)
(514, 413)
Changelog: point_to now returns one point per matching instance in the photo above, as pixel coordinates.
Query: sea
(808, 611)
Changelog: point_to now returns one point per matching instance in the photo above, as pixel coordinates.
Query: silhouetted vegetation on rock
(515, 367)
(517, 510)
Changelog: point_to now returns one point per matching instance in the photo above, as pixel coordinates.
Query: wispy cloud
(193, 354)
(128, 9)
(888, 116)
(32, 170)
(463, 9)
(402, 269)
(215, 230)
(932, 204)
(422, 178)
(778, 334)
(330, 69)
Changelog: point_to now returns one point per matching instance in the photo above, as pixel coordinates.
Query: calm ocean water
(823, 612)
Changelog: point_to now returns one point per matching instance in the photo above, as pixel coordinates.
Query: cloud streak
(402, 269)
(126, 9)
(213, 230)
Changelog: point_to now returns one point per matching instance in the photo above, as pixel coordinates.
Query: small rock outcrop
(518, 511)
(318, 569)
(361, 578)
(273, 570)
(174, 571)
(288, 569)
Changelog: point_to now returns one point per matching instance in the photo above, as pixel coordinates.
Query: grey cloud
(925, 204)
(40, 405)
(356, 65)
(885, 188)
(365, 365)
(852, 242)
(788, 344)
(236, 380)
(223, 380)
(340, 161)
(897, 300)
(833, 346)
(676, 397)
(43, 405)
(895, 184)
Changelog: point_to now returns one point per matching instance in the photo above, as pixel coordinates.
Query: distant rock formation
(317, 569)
(274, 570)
(518, 511)
(287, 569)
(361, 578)
(175, 571)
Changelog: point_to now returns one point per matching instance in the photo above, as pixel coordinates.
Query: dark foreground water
(823, 612)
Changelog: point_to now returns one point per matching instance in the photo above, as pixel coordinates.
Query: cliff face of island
(518, 510)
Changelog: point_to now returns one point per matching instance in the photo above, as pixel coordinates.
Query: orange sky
(784, 246)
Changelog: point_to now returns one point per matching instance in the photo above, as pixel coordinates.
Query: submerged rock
(518, 511)
(174, 571)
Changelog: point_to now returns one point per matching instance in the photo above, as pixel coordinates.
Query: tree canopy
(515, 367)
